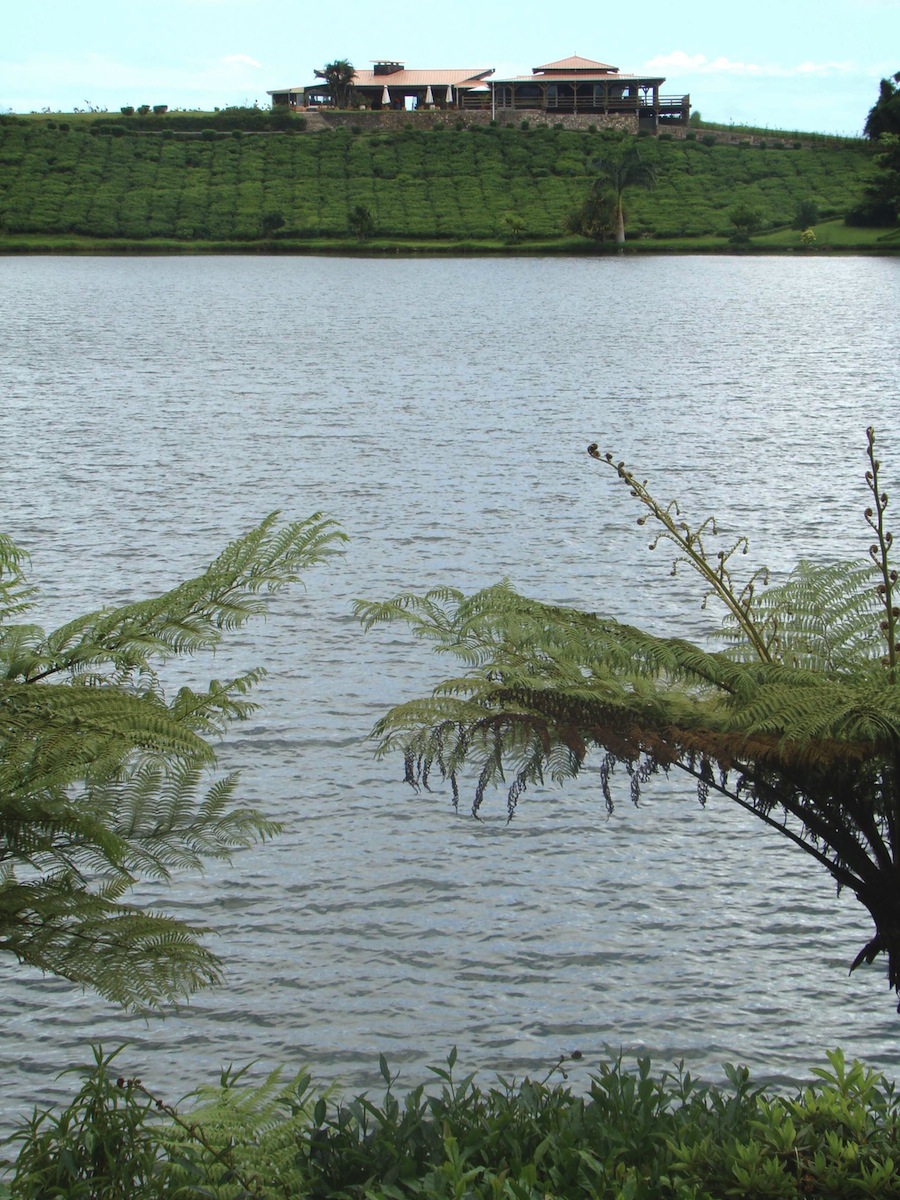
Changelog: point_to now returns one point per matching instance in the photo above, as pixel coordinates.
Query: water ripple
(154, 408)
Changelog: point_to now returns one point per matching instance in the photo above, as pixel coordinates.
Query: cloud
(63, 83)
(699, 64)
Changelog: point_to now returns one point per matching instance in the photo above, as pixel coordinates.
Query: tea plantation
(106, 180)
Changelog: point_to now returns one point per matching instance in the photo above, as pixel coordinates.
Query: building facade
(572, 86)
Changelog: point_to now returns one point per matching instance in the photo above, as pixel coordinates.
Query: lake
(154, 408)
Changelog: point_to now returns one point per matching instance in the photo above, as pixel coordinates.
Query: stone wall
(391, 119)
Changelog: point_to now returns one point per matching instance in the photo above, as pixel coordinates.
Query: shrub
(746, 221)
(632, 1134)
(159, 109)
(143, 110)
(209, 135)
(806, 215)
(127, 110)
(271, 222)
(360, 222)
(872, 215)
(64, 126)
(524, 125)
(690, 136)
(709, 139)
(513, 227)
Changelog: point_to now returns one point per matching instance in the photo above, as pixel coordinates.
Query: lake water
(154, 408)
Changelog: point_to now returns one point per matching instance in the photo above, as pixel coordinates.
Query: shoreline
(31, 245)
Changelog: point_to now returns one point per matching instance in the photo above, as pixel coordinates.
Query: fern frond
(15, 591)
(104, 781)
(194, 615)
(797, 721)
(824, 618)
(90, 937)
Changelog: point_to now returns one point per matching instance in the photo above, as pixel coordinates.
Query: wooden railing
(668, 107)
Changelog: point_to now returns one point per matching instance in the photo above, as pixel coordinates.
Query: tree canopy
(795, 718)
(880, 205)
(339, 76)
(105, 780)
(884, 115)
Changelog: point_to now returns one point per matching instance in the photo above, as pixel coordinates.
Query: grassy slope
(64, 189)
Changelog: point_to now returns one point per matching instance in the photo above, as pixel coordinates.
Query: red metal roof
(583, 77)
(461, 77)
(576, 63)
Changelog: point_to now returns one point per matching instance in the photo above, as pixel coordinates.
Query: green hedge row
(461, 184)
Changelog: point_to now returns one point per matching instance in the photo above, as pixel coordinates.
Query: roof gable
(576, 63)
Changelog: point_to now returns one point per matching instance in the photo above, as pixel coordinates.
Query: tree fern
(796, 718)
(104, 780)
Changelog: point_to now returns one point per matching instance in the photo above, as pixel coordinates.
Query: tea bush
(458, 185)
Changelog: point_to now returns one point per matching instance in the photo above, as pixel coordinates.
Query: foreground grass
(831, 237)
(632, 1136)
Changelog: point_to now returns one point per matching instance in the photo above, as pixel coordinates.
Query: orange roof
(582, 77)
(575, 63)
(422, 78)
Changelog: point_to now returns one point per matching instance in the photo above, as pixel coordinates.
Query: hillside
(105, 180)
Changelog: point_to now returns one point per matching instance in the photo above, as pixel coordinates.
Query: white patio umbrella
(385, 96)
(429, 98)
(449, 95)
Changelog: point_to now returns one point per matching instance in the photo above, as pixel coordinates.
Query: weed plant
(632, 1135)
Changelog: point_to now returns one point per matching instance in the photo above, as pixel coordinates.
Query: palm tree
(620, 169)
(339, 76)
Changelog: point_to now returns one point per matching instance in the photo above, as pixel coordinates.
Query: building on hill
(390, 85)
(574, 86)
(581, 85)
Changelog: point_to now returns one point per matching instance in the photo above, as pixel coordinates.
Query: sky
(785, 64)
